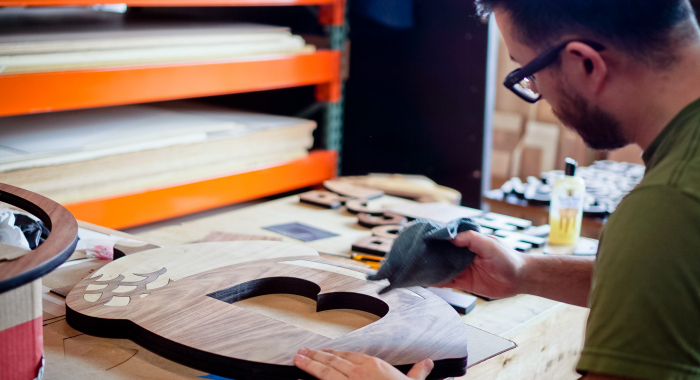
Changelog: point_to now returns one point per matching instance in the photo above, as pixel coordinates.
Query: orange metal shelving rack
(65, 90)
(162, 203)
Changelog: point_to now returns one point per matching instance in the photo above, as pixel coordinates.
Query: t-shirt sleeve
(645, 297)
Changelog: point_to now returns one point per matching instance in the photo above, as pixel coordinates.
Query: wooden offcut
(369, 221)
(357, 206)
(324, 199)
(374, 245)
(351, 191)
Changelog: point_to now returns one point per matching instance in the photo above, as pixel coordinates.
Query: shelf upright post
(334, 17)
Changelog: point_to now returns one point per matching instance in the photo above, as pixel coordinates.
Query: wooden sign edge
(218, 364)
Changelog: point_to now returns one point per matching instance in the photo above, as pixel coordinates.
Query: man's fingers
(475, 241)
(331, 360)
(421, 370)
(352, 357)
(317, 369)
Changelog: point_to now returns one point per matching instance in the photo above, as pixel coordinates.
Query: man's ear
(584, 67)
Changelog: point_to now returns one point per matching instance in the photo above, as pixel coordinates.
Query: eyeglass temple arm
(550, 56)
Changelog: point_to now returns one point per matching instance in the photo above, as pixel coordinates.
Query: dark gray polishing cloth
(423, 255)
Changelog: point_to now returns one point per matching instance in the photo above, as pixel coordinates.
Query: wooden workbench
(549, 334)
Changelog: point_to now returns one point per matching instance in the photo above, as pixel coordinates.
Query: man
(617, 72)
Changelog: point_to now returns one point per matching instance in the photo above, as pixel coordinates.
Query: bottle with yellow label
(566, 207)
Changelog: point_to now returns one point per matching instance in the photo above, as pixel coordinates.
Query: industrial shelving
(77, 89)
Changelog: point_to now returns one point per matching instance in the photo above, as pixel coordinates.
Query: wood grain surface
(52, 252)
(225, 236)
(321, 198)
(252, 219)
(374, 245)
(369, 221)
(391, 231)
(186, 310)
(351, 191)
(123, 249)
(357, 206)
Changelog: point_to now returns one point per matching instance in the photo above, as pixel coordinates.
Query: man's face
(598, 129)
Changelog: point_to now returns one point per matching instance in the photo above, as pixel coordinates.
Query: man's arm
(561, 278)
(499, 271)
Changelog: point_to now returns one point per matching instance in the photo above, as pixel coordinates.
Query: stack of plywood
(88, 154)
(141, 45)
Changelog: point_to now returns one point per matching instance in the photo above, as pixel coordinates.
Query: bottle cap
(571, 166)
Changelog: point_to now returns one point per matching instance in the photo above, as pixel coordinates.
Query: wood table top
(544, 329)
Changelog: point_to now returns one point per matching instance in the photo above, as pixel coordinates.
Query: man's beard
(597, 128)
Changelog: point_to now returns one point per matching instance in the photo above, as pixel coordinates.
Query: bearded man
(618, 72)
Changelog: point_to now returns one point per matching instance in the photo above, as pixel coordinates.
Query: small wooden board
(351, 191)
(183, 303)
(369, 221)
(324, 199)
(391, 231)
(357, 206)
(374, 245)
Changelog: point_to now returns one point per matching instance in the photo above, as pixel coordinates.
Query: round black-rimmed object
(53, 252)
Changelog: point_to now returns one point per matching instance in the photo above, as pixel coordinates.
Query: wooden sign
(187, 303)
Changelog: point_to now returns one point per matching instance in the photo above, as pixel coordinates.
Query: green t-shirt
(645, 297)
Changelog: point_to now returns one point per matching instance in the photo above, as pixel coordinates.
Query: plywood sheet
(133, 36)
(25, 53)
(230, 141)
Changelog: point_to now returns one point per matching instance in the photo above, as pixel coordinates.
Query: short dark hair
(646, 29)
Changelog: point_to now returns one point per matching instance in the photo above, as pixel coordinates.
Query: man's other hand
(341, 365)
(496, 270)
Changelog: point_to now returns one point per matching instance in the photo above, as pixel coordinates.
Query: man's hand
(341, 365)
(496, 271)
(499, 272)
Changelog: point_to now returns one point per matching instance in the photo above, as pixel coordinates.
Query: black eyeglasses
(521, 80)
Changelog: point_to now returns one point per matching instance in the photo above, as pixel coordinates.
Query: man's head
(585, 85)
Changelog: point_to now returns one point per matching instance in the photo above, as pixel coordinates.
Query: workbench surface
(549, 334)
